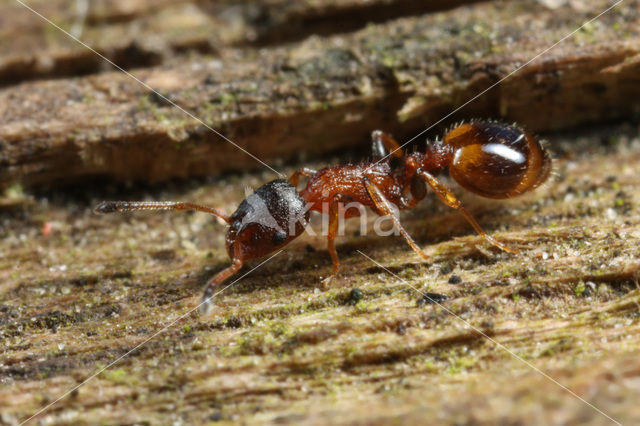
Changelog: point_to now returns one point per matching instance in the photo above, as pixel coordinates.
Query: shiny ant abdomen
(489, 159)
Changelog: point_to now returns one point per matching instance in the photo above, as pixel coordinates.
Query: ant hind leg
(447, 197)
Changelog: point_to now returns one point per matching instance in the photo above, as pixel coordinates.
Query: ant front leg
(383, 144)
(219, 278)
(384, 208)
(295, 177)
(447, 197)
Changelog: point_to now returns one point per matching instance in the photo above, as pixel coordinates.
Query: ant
(490, 159)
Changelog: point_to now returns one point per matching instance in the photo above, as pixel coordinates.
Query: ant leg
(447, 197)
(384, 208)
(219, 278)
(295, 177)
(128, 206)
(334, 209)
(382, 144)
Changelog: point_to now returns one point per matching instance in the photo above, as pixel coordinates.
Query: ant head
(496, 160)
(266, 220)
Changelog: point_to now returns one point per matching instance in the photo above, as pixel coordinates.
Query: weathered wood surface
(143, 33)
(325, 94)
(79, 290)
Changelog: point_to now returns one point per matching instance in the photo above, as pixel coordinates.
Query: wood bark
(550, 336)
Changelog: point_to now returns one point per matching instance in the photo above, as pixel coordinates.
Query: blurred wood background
(303, 84)
(290, 100)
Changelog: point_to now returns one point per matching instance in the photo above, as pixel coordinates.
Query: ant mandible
(490, 159)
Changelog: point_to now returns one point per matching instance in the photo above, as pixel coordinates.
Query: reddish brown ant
(487, 158)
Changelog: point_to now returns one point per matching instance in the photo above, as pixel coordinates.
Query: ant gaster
(487, 158)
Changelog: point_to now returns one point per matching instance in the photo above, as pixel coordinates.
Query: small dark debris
(401, 329)
(215, 417)
(589, 289)
(528, 291)
(355, 296)
(309, 248)
(74, 393)
(92, 333)
(119, 275)
(233, 322)
(455, 279)
(431, 298)
(160, 99)
(108, 310)
(52, 320)
(7, 313)
(446, 269)
(83, 281)
(385, 74)
(166, 255)
(487, 324)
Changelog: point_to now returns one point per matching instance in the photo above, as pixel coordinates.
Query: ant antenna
(128, 206)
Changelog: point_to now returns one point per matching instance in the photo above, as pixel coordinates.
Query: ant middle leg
(383, 144)
(383, 207)
(334, 216)
(447, 197)
(295, 177)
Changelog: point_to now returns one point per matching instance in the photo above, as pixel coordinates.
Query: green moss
(226, 99)
(119, 376)
(14, 192)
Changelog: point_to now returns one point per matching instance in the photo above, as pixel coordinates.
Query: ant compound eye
(279, 238)
(495, 160)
